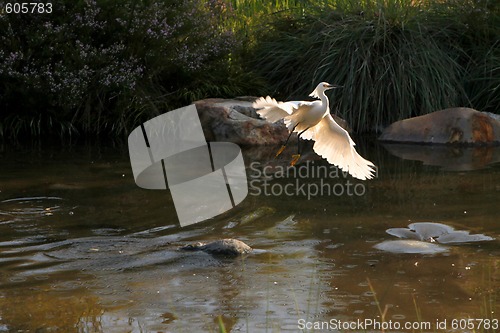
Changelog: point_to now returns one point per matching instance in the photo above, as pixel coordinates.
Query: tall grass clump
(95, 67)
(252, 14)
(395, 58)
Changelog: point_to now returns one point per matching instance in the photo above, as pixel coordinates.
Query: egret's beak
(333, 86)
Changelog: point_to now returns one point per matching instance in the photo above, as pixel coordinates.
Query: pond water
(83, 249)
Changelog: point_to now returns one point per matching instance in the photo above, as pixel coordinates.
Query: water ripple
(27, 208)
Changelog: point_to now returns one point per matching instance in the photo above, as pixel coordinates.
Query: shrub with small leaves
(105, 66)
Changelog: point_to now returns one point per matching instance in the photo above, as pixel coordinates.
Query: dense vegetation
(394, 60)
(105, 67)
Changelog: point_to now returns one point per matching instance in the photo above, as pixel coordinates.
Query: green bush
(395, 58)
(93, 67)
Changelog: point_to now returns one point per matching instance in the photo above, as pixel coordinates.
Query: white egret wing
(310, 133)
(272, 110)
(336, 146)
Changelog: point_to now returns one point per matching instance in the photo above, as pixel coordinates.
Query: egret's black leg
(295, 158)
(289, 135)
(286, 142)
(298, 139)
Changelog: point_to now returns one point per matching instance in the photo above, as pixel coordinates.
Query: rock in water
(228, 246)
(236, 121)
(454, 125)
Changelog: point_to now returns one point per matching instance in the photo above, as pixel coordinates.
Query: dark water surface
(83, 249)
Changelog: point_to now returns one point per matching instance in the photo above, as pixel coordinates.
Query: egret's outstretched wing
(334, 143)
(272, 110)
(292, 112)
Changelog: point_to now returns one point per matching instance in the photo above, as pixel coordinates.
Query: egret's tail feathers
(272, 110)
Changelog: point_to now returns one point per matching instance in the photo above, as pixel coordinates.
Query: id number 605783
(28, 8)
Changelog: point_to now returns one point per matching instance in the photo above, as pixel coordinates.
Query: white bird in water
(313, 121)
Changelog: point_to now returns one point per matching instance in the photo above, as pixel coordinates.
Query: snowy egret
(313, 121)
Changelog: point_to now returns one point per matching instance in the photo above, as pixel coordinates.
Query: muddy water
(82, 249)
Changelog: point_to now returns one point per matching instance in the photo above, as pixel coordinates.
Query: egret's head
(321, 87)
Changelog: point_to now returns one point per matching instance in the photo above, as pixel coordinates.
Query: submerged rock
(454, 125)
(228, 246)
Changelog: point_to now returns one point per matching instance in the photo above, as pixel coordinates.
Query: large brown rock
(236, 121)
(454, 125)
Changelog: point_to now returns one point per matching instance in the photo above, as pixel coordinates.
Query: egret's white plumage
(314, 122)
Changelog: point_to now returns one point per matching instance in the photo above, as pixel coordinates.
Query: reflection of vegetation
(46, 310)
(486, 320)
(106, 67)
